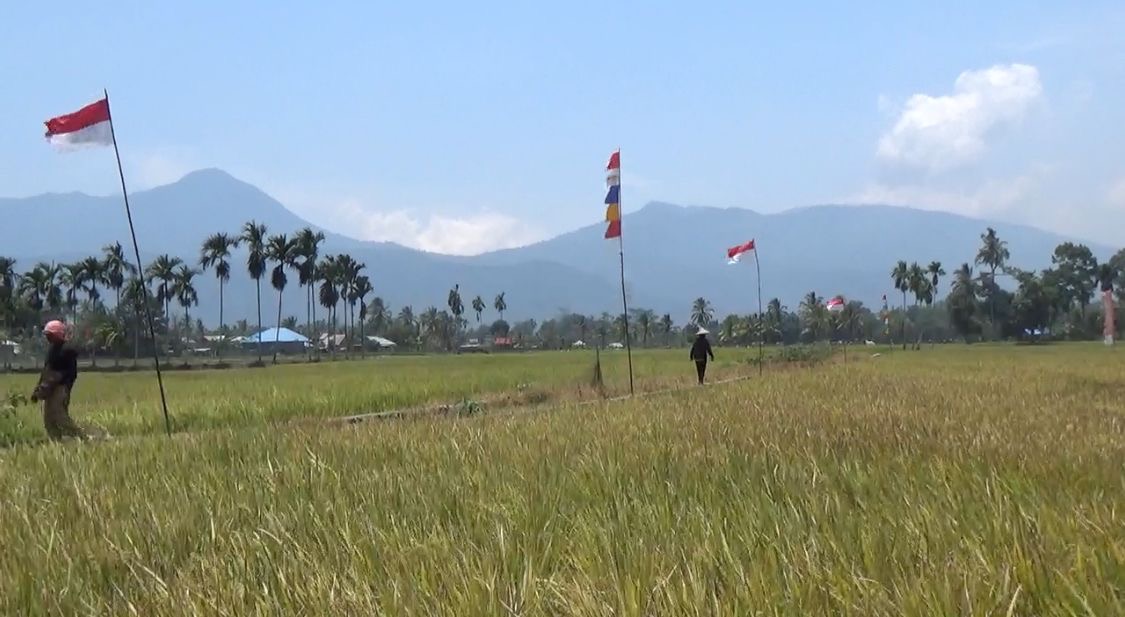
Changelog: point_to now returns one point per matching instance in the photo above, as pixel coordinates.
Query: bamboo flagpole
(613, 230)
(734, 254)
(93, 126)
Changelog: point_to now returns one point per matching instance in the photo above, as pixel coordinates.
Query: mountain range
(673, 254)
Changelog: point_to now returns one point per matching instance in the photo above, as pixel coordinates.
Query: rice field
(954, 481)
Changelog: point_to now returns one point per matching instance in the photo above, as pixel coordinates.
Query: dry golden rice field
(948, 481)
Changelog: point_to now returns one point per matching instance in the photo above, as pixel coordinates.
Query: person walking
(700, 351)
(60, 371)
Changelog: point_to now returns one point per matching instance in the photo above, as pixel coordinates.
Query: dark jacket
(63, 359)
(701, 349)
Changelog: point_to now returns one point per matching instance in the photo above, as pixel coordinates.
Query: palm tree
(308, 250)
(361, 287)
(645, 320)
(183, 287)
(500, 304)
(430, 323)
(812, 309)
(116, 268)
(135, 294)
(328, 273)
(254, 235)
(163, 270)
(901, 276)
(71, 280)
(701, 312)
(40, 287)
(409, 323)
(279, 250)
(379, 314)
(994, 254)
(455, 307)
(666, 326)
(478, 307)
(215, 253)
(936, 272)
(349, 279)
(917, 282)
(91, 272)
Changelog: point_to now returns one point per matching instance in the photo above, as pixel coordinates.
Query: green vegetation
(982, 481)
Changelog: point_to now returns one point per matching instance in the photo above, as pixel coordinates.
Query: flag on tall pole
(92, 125)
(613, 196)
(734, 254)
(613, 230)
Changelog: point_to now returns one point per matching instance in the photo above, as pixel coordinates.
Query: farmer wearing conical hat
(55, 383)
(700, 350)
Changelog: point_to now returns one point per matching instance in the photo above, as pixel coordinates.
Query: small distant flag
(734, 253)
(88, 126)
(836, 304)
(613, 196)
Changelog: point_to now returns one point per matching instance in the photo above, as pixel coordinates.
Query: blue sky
(462, 127)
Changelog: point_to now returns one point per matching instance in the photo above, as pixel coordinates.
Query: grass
(941, 482)
(129, 403)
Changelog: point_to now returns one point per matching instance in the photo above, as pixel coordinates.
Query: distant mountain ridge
(673, 254)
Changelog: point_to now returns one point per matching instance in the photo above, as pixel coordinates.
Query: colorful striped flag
(613, 196)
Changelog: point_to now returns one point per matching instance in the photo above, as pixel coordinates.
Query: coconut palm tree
(645, 321)
(279, 250)
(183, 287)
(349, 274)
(456, 307)
(500, 304)
(163, 271)
(379, 315)
(254, 235)
(215, 253)
(40, 288)
(918, 283)
(91, 272)
(430, 323)
(478, 307)
(813, 312)
(116, 268)
(666, 326)
(701, 312)
(994, 254)
(308, 251)
(329, 275)
(361, 288)
(70, 277)
(936, 272)
(901, 276)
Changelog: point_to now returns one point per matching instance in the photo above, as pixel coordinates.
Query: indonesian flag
(735, 252)
(613, 196)
(88, 126)
(835, 304)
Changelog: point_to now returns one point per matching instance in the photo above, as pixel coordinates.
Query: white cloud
(991, 198)
(941, 132)
(436, 233)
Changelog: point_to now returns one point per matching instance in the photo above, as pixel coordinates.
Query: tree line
(74, 293)
(1055, 302)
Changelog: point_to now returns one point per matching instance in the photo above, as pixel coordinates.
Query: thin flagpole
(137, 254)
(761, 317)
(624, 301)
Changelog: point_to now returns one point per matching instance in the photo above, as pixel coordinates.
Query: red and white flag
(735, 252)
(88, 126)
(835, 304)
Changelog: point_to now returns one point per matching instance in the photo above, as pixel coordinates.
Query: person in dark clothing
(700, 351)
(60, 371)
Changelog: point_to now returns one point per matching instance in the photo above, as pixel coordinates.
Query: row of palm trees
(328, 281)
